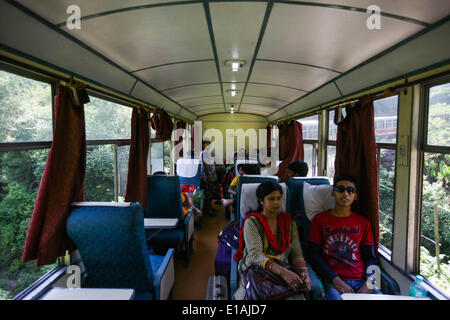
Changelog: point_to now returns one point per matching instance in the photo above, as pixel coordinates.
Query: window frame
(423, 149)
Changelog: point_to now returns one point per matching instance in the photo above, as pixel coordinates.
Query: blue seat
(190, 172)
(111, 240)
(296, 206)
(164, 201)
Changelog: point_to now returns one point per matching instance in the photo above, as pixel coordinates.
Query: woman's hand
(306, 285)
(341, 286)
(291, 278)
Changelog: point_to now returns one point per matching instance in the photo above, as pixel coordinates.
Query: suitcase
(216, 289)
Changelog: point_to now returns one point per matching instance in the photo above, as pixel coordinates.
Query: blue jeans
(333, 294)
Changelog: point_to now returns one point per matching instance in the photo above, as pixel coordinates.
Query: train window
(123, 154)
(332, 128)
(157, 156)
(310, 127)
(386, 119)
(26, 109)
(99, 179)
(20, 174)
(310, 130)
(386, 160)
(435, 235)
(26, 118)
(331, 156)
(107, 127)
(439, 115)
(106, 120)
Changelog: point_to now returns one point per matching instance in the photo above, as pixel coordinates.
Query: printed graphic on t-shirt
(340, 246)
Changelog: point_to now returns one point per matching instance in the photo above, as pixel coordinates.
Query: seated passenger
(297, 168)
(269, 233)
(186, 199)
(233, 188)
(341, 243)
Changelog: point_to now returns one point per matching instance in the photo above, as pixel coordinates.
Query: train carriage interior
(248, 77)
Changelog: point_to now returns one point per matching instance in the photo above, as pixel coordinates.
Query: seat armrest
(165, 276)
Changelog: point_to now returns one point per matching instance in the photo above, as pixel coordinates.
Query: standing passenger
(209, 177)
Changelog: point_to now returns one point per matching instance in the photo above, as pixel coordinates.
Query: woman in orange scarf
(269, 233)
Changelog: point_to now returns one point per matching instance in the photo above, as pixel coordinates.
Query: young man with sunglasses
(341, 243)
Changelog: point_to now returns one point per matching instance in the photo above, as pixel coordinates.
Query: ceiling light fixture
(235, 64)
(233, 92)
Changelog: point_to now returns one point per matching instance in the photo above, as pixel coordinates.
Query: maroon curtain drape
(269, 136)
(137, 163)
(356, 155)
(291, 147)
(180, 125)
(163, 126)
(62, 182)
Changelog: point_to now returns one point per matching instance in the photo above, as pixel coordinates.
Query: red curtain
(356, 155)
(269, 136)
(61, 183)
(137, 163)
(291, 146)
(163, 126)
(180, 125)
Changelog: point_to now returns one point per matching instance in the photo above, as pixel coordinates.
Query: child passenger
(341, 243)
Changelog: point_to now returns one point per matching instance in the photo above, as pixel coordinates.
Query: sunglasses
(340, 189)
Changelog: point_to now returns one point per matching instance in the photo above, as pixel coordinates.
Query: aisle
(190, 282)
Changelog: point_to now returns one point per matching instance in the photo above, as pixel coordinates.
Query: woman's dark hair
(264, 189)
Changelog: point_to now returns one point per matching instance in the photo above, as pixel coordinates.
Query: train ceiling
(177, 55)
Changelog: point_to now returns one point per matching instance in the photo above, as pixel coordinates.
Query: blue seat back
(295, 203)
(164, 197)
(190, 171)
(250, 179)
(111, 241)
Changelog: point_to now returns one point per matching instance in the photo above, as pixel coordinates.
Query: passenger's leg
(331, 292)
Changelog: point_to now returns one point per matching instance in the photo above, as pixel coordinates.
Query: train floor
(191, 281)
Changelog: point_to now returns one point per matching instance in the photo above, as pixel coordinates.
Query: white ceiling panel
(264, 101)
(55, 10)
(211, 106)
(210, 111)
(290, 75)
(428, 49)
(261, 108)
(428, 11)
(177, 75)
(236, 29)
(276, 92)
(194, 91)
(324, 94)
(21, 33)
(201, 101)
(149, 37)
(340, 39)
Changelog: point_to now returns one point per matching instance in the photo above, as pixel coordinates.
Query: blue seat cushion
(156, 261)
(166, 238)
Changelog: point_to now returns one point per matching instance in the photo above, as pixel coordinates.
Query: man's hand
(365, 289)
(341, 286)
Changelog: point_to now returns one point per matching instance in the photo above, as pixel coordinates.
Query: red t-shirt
(340, 239)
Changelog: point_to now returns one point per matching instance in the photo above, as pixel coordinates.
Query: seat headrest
(101, 204)
(187, 167)
(249, 200)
